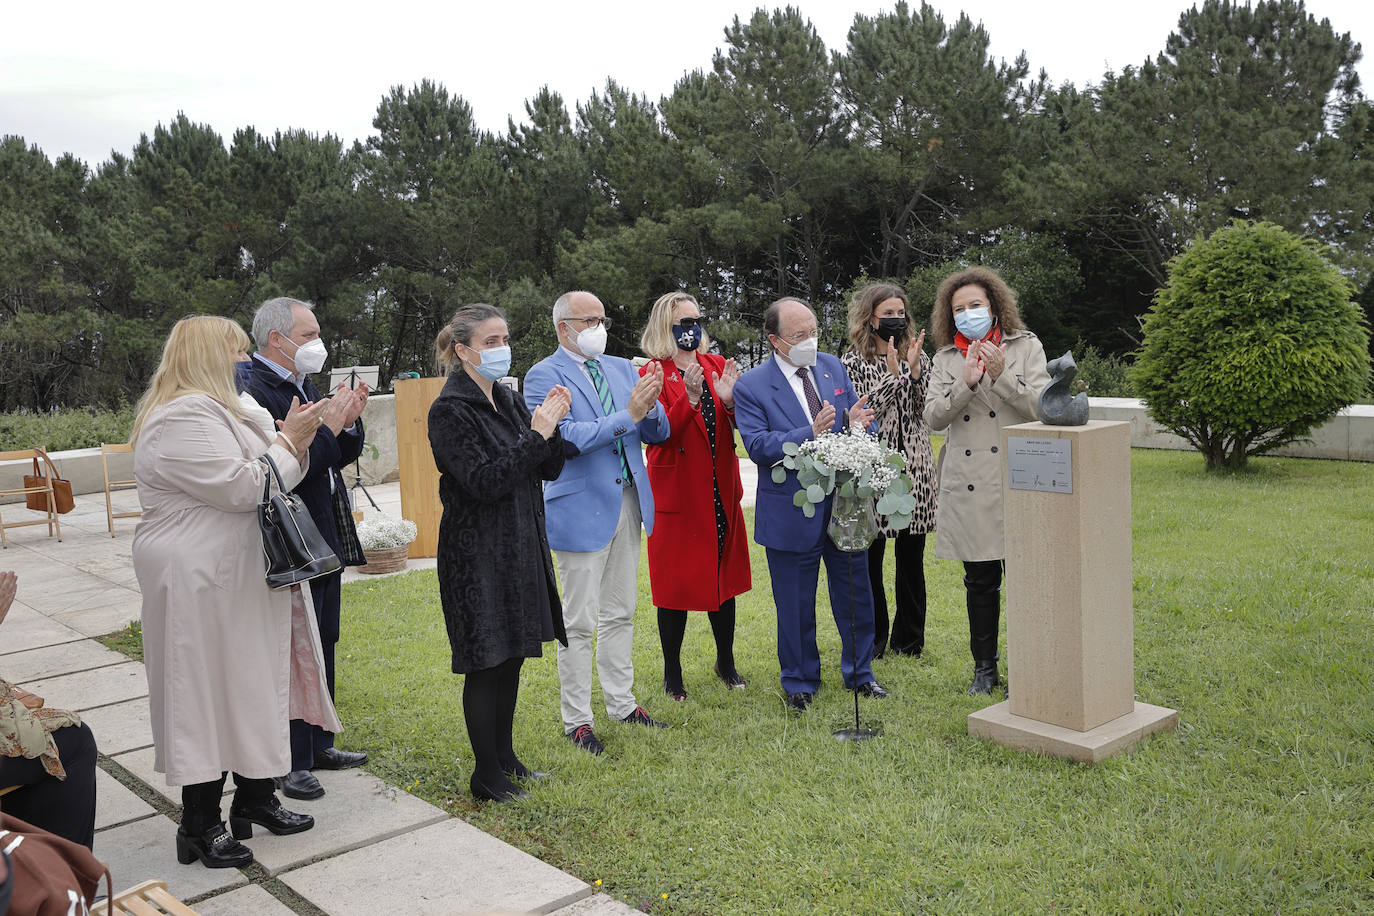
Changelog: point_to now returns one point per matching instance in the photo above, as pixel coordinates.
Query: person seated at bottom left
(47, 757)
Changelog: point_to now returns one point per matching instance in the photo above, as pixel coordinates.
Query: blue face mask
(495, 363)
(974, 324)
(243, 372)
(687, 338)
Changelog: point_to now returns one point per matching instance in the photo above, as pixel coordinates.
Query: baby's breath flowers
(383, 531)
(850, 464)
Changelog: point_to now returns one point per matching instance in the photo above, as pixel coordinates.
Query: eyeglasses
(593, 322)
(800, 336)
(690, 323)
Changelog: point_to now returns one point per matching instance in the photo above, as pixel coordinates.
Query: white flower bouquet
(852, 465)
(384, 531)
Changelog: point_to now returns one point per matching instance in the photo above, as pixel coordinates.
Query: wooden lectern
(1070, 624)
(419, 476)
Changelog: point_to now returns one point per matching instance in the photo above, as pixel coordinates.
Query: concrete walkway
(374, 849)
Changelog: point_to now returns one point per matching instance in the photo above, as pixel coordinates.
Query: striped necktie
(603, 391)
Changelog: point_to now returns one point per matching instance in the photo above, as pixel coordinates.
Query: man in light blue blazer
(596, 509)
(795, 396)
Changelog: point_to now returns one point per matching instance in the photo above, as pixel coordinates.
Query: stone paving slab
(50, 661)
(108, 615)
(598, 905)
(147, 849)
(115, 804)
(442, 870)
(86, 689)
(25, 628)
(246, 901)
(357, 809)
(121, 727)
(68, 594)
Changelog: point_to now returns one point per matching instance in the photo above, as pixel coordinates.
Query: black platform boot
(202, 834)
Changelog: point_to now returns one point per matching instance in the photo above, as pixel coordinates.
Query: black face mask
(890, 329)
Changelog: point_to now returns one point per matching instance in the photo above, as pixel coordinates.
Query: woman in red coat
(699, 550)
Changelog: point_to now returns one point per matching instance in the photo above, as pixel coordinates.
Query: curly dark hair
(1001, 301)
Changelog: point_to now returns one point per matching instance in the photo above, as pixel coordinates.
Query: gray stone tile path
(374, 849)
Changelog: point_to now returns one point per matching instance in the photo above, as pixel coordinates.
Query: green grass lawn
(1252, 618)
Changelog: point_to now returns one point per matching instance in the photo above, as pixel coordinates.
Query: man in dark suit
(795, 396)
(289, 350)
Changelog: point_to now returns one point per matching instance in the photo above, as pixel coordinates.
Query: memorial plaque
(1040, 464)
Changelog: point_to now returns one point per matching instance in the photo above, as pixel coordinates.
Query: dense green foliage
(1259, 803)
(59, 430)
(780, 167)
(1253, 342)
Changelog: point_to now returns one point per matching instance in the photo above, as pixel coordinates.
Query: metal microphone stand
(357, 469)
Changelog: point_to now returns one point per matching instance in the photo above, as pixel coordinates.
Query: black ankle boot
(984, 676)
(213, 846)
(266, 813)
(482, 792)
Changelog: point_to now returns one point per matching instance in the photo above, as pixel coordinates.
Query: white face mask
(310, 356)
(592, 341)
(803, 354)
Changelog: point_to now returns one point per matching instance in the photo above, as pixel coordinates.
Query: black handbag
(294, 548)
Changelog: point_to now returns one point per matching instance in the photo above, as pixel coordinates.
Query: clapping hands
(646, 391)
(545, 418)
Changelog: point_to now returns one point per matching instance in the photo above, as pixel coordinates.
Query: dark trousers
(983, 594)
(794, 576)
(306, 739)
(909, 620)
(65, 807)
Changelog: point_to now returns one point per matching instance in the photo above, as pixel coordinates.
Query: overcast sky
(88, 77)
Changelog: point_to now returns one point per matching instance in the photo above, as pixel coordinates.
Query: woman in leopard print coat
(886, 365)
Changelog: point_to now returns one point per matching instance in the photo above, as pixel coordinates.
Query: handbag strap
(267, 478)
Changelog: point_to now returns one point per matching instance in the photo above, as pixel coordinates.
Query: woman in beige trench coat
(218, 644)
(987, 373)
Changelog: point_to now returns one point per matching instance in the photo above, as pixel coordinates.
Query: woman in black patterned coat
(886, 365)
(496, 580)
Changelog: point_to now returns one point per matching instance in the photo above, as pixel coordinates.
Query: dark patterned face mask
(687, 337)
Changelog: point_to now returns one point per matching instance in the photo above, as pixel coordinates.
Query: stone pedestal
(1070, 639)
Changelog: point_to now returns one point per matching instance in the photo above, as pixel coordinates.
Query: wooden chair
(47, 473)
(113, 485)
(151, 898)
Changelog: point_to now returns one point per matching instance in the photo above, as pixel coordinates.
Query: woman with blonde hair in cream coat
(217, 641)
(987, 373)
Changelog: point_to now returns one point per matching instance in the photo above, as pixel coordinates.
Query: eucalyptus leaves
(851, 464)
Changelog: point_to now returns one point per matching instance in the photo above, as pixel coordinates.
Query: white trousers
(599, 590)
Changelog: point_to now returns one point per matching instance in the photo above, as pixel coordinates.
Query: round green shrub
(1253, 343)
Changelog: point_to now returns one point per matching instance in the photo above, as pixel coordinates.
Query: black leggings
(983, 595)
(200, 802)
(672, 627)
(489, 699)
(65, 807)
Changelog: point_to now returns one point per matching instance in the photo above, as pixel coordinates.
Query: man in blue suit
(596, 508)
(795, 396)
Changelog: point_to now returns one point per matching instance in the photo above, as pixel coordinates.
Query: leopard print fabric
(898, 405)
